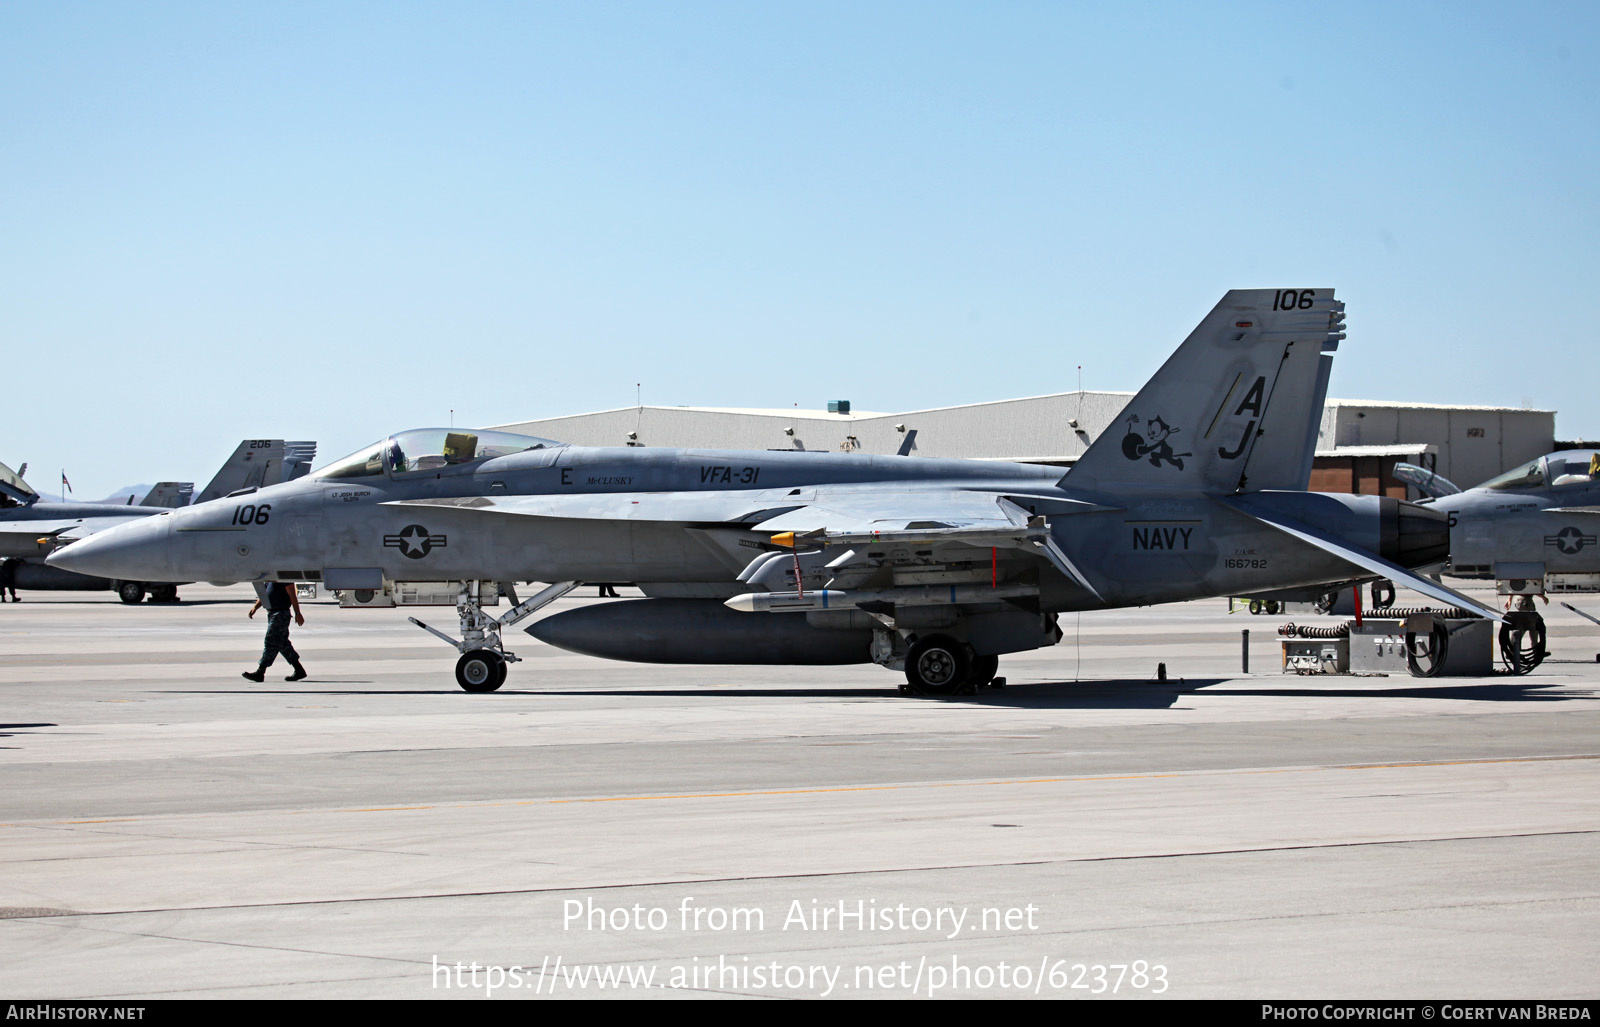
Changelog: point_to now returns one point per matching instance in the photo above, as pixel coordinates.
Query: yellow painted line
(942, 784)
(1018, 781)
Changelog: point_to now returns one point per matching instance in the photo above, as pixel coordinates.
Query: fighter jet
(31, 529)
(1532, 530)
(931, 567)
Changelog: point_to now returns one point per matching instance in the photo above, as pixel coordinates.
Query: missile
(779, 602)
(914, 595)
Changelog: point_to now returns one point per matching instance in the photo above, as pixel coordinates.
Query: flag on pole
(64, 482)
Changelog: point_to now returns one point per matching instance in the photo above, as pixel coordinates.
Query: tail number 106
(1294, 299)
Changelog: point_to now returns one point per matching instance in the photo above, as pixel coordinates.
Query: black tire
(164, 593)
(480, 670)
(938, 665)
(1272, 607)
(1255, 607)
(130, 592)
(505, 668)
(983, 671)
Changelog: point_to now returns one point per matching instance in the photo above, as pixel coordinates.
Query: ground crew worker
(279, 599)
(8, 578)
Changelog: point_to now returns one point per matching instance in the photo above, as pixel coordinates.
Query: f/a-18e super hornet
(31, 529)
(1532, 529)
(934, 567)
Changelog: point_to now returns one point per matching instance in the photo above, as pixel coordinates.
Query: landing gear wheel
(1522, 642)
(480, 670)
(130, 592)
(1425, 653)
(164, 593)
(938, 665)
(983, 671)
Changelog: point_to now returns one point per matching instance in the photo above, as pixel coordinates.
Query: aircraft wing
(775, 510)
(73, 527)
(948, 526)
(1368, 561)
(971, 520)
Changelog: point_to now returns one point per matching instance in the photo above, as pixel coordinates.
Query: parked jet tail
(258, 463)
(297, 459)
(14, 489)
(1235, 409)
(169, 494)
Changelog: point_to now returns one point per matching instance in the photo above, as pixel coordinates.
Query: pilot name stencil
(414, 541)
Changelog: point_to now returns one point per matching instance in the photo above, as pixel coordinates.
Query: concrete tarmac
(595, 829)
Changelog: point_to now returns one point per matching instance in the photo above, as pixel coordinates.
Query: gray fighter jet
(933, 567)
(1532, 530)
(31, 529)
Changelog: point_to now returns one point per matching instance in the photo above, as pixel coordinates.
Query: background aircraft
(934, 567)
(1533, 530)
(31, 528)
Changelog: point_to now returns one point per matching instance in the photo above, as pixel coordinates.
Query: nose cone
(137, 551)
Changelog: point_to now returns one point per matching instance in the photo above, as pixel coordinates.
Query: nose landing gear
(484, 660)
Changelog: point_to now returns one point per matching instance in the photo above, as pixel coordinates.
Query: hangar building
(1357, 445)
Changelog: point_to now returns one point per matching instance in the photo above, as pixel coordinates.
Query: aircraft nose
(130, 552)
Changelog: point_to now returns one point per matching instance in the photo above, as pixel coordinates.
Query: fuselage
(1546, 527)
(674, 519)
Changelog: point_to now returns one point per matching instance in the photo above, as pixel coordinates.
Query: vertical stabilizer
(256, 463)
(168, 494)
(1235, 409)
(297, 459)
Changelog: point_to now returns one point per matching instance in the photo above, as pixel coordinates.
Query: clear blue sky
(334, 220)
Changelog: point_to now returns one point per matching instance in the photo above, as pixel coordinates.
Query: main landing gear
(484, 660)
(941, 666)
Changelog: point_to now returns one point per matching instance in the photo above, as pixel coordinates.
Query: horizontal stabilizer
(1374, 563)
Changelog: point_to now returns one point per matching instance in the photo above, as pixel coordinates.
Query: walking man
(279, 599)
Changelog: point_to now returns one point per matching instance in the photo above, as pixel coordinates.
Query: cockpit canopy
(429, 449)
(1555, 470)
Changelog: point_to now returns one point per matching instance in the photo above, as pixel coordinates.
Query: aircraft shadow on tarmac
(1488, 691)
(1114, 694)
(10, 731)
(1080, 695)
(113, 602)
